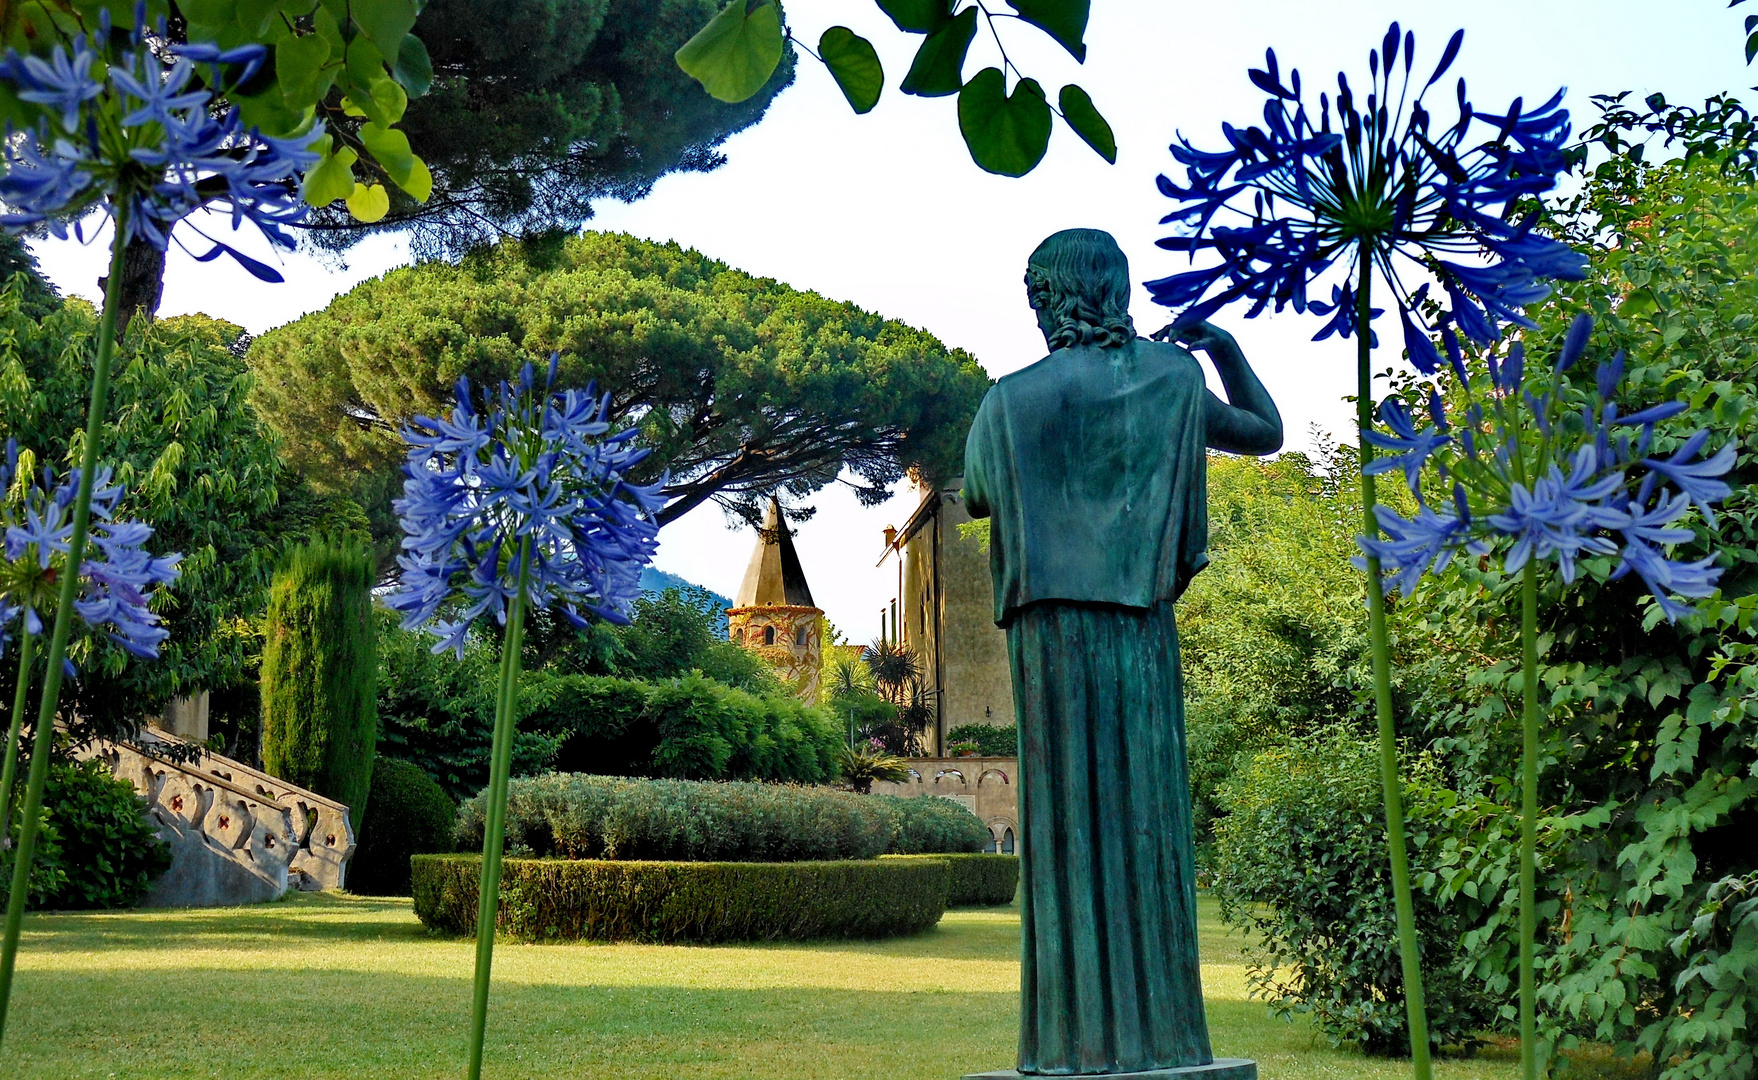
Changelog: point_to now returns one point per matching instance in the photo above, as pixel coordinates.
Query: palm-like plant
(866, 763)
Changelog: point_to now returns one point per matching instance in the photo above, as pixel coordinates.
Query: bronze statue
(1091, 465)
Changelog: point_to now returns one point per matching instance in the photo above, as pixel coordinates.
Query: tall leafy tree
(539, 107)
(199, 465)
(739, 384)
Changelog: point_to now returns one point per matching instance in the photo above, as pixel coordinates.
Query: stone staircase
(237, 834)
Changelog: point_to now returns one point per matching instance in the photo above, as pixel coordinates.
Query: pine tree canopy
(740, 385)
(540, 107)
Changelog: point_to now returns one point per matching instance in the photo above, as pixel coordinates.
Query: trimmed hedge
(928, 825)
(577, 816)
(601, 900)
(977, 880)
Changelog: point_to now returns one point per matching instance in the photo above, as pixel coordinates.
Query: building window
(800, 637)
(991, 846)
(1007, 842)
(769, 635)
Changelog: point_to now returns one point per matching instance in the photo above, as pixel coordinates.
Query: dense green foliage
(319, 673)
(97, 849)
(406, 814)
(200, 468)
(861, 764)
(1651, 743)
(924, 824)
(1300, 858)
(977, 880)
(572, 900)
(576, 816)
(739, 384)
(990, 740)
(540, 107)
(1272, 634)
(701, 708)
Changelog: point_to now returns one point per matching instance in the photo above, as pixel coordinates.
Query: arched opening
(800, 637)
(992, 846)
(769, 635)
(1007, 842)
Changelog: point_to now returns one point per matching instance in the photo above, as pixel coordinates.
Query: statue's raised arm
(1247, 422)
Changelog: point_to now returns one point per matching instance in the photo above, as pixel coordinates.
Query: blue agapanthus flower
(1567, 485)
(126, 134)
(1373, 179)
(526, 469)
(118, 572)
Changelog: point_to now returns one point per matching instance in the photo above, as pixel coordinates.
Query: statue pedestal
(1219, 1069)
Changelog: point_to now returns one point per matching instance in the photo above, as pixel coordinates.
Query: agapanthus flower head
(523, 472)
(1372, 178)
(118, 572)
(135, 138)
(1560, 484)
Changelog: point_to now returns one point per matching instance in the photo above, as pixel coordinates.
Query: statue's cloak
(1090, 464)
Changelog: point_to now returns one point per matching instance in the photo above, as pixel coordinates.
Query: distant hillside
(657, 581)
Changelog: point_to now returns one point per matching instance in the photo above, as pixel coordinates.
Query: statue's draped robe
(1090, 465)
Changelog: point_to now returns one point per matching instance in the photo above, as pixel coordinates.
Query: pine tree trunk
(143, 283)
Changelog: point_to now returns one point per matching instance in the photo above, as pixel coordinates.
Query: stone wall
(986, 786)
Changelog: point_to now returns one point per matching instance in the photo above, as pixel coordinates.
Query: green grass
(328, 986)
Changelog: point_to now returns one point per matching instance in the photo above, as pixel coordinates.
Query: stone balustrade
(237, 835)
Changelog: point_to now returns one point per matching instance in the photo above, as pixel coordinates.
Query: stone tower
(773, 613)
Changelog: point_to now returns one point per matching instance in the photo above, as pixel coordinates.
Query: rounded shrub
(407, 813)
(1300, 859)
(578, 816)
(600, 900)
(928, 825)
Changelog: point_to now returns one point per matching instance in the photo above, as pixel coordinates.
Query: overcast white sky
(887, 211)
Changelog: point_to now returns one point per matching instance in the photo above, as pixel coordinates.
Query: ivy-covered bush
(1300, 858)
(97, 849)
(928, 825)
(990, 740)
(576, 816)
(594, 900)
(406, 814)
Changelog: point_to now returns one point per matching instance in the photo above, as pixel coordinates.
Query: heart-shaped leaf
(734, 55)
(414, 70)
(300, 69)
(854, 64)
(1077, 109)
(384, 21)
(369, 204)
(1006, 133)
(1064, 20)
(918, 16)
(938, 68)
(332, 178)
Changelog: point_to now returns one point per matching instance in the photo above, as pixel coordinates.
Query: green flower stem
(1382, 695)
(30, 814)
(1528, 818)
(494, 835)
(26, 646)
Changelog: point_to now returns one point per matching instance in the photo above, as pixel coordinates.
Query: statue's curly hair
(1080, 279)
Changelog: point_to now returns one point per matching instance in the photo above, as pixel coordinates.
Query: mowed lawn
(333, 986)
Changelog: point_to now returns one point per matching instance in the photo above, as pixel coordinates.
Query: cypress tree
(320, 673)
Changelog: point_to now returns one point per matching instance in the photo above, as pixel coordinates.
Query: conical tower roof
(774, 576)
